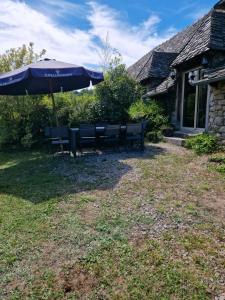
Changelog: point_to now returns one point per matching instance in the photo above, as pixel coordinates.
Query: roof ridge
(166, 46)
(201, 22)
(146, 62)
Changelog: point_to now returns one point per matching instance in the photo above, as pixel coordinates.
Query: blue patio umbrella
(47, 76)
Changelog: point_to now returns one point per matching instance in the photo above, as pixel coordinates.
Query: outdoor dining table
(74, 136)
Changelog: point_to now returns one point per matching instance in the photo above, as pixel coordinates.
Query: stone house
(187, 73)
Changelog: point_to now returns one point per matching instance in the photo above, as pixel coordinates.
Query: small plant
(202, 143)
(219, 163)
(153, 136)
(27, 141)
(217, 159)
(221, 169)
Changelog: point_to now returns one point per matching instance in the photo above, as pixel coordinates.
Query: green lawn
(115, 226)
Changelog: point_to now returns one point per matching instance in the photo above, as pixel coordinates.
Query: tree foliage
(23, 118)
(116, 93)
(150, 111)
(20, 116)
(17, 57)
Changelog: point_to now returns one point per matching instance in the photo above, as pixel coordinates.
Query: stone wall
(216, 122)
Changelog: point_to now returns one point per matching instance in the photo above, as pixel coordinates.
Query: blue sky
(176, 13)
(73, 30)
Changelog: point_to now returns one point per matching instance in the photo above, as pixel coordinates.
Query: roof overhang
(161, 89)
(155, 93)
(212, 76)
(208, 81)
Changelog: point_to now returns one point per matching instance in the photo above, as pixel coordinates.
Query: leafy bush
(221, 169)
(151, 112)
(219, 163)
(217, 159)
(20, 118)
(27, 141)
(115, 95)
(153, 136)
(202, 143)
(83, 108)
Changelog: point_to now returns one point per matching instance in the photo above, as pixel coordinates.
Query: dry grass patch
(117, 226)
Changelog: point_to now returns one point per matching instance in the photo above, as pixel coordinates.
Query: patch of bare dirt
(76, 279)
(90, 213)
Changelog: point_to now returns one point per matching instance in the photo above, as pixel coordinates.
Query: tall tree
(116, 93)
(18, 57)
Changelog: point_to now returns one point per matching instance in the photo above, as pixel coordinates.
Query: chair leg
(127, 146)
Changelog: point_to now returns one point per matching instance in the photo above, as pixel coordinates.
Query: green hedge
(202, 143)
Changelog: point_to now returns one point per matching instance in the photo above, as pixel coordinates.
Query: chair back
(134, 129)
(101, 124)
(112, 130)
(87, 130)
(47, 131)
(59, 132)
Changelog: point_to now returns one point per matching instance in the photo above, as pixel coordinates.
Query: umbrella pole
(54, 109)
(56, 116)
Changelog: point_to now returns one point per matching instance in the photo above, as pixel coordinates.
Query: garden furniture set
(96, 136)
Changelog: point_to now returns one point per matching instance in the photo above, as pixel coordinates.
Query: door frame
(195, 128)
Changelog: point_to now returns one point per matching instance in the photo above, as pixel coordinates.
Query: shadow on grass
(37, 177)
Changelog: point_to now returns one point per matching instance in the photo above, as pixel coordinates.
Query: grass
(120, 226)
(218, 162)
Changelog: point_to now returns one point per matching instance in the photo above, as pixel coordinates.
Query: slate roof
(162, 88)
(198, 43)
(206, 34)
(158, 65)
(141, 69)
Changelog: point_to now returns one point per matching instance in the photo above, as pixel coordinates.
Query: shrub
(221, 169)
(151, 112)
(27, 141)
(153, 136)
(116, 94)
(202, 143)
(217, 159)
(83, 108)
(20, 118)
(218, 163)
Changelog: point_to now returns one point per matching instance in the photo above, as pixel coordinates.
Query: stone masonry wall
(216, 122)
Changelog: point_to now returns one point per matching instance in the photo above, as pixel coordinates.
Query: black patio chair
(58, 136)
(111, 136)
(87, 135)
(135, 135)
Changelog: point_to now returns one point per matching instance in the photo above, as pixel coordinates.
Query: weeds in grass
(69, 237)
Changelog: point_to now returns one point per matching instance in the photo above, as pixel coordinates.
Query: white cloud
(131, 41)
(20, 23)
(60, 8)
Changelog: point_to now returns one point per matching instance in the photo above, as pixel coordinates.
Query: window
(194, 101)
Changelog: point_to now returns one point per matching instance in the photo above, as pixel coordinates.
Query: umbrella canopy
(46, 77)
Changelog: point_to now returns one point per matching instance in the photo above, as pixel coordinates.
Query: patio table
(74, 134)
